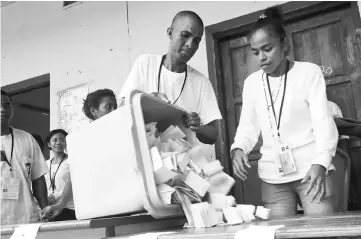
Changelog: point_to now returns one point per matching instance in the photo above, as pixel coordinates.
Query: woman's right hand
(240, 159)
(51, 199)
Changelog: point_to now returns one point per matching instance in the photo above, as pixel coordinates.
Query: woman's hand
(239, 159)
(316, 177)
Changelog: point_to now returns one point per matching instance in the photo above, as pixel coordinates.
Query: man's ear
(93, 111)
(169, 32)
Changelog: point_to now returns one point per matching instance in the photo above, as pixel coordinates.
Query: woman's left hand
(192, 121)
(316, 177)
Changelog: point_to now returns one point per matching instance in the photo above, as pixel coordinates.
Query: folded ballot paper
(186, 174)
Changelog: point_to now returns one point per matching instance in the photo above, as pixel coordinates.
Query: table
(338, 225)
(100, 228)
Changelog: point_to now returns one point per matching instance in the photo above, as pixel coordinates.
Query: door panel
(327, 40)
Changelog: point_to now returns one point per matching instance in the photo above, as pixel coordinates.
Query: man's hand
(316, 177)
(51, 199)
(50, 212)
(240, 159)
(192, 121)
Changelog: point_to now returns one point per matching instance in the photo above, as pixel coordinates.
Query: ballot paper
(173, 133)
(168, 163)
(165, 193)
(221, 183)
(197, 154)
(212, 168)
(182, 161)
(204, 215)
(193, 196)
(200, 154)
(232, 216)
(27, 231)
(149, 235)
(252, 232)
(161, 173)
(196, 182)
(175, 147)
(220, 201)
(263, 213)
(186, 205)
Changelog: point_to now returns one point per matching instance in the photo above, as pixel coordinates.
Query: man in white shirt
(22, 168)
(182, 85)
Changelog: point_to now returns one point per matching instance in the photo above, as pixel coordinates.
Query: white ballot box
(110, 162)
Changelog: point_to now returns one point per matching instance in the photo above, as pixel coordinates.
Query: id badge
(284, 161)
(10, 188)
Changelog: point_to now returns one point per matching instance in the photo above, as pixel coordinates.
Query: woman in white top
(286, 101)
(59, 174)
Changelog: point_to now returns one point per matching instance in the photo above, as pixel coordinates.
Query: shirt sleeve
(135, 77)
(323, 124)
(209, 110)
(39, 167)
(248, 129)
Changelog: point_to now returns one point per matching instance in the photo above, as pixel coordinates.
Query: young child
(286, 101)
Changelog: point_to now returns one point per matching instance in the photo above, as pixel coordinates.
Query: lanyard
(52, 180)
(11, 154)
(272, 103)
(184, 82)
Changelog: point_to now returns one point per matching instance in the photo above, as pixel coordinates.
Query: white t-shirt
(62, 177)
(306, 125)
(198, 95)
(28, 164)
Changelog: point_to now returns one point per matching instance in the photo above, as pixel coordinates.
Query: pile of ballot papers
(185, 174)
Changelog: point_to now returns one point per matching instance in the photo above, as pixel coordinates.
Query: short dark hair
(188, 14)
(270, 20)
(6, 94)
(52, 133)
(93, 100)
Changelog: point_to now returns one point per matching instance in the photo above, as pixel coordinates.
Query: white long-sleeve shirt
(306, 125)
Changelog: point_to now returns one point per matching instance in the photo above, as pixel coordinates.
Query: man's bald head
(190, 14)
(185, 34)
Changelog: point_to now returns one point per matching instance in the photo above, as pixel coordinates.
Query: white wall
(87, 43)
(148, 22)
(74, 45)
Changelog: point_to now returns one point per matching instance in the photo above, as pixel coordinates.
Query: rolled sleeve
(324, 127)
(209, 107)
(248, 129)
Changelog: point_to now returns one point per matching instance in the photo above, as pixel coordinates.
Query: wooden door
(326, 40)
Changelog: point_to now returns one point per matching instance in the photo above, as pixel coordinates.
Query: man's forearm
(208, 133)
(40, 191)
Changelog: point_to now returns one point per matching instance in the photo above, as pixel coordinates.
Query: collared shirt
(28, 164)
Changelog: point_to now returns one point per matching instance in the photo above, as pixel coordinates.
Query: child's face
(57, 143)
(268, 50)
(107, 104)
